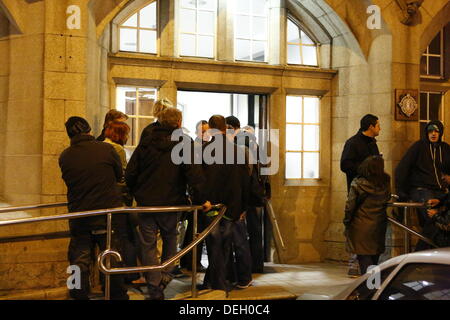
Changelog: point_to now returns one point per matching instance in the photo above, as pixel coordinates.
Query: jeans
(428, 227)
(81, 253)
(242, 268)
(218, 245)
(149, 224)
(255, 234)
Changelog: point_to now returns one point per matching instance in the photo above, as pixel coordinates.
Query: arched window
(138, 33)
(251, 30)
(300, 48)
(197, 28)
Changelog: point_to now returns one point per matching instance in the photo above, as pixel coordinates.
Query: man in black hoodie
(156, 180)
(91, 170)
(418, 175)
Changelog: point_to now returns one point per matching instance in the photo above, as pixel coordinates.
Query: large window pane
(148, 16)
(434, 66)
(310, 165)
(311, 110)
(259, 28)
(242, 49)
(147, 98)
(206, 46)
(131, 22)
(293, 165)
(128, 39)
(435, 45)
(293, 34)
(188, 3)
(147, 41)
(259, 7)
(294, 54)
(243, 6)
(293, 137)
(435, 105)
(311, 141)
(206, 22)
(293, 109)
(207, 4)
(309, 55)
(259, 51)
(188, 20)
(242, 27)
(187, 43)
(306, 39)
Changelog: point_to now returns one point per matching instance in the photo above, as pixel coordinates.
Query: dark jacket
(152, 177)
(356, 150)
(91, 170)
(420, 167)
(365, 217)
(227, 183)
(148, 130)
(441, 233)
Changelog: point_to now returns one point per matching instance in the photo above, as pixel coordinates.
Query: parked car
(421, 275)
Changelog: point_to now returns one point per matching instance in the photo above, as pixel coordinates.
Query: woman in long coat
(365, 212)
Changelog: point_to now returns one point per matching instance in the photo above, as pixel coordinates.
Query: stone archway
(438, 21)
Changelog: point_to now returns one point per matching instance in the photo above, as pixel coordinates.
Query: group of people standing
(423, 175)
(98, 176)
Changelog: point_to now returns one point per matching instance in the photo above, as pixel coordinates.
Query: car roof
(441, 255)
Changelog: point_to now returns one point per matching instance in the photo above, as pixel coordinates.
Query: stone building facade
(55, 64)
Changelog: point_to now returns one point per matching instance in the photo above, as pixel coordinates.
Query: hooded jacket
(421, 166)
(356, 150)
(91, 170)
(153, 178)
(365, 217)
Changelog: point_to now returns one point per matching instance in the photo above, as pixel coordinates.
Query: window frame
(266, 42)
(441, 111)
(441, 57)
(136, 116)
(138, 28)
(319, 152)
(300, 45)
(197, 34)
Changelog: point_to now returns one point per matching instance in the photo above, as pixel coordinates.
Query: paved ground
(317, 281)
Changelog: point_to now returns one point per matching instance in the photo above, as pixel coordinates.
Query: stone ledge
(43, 294)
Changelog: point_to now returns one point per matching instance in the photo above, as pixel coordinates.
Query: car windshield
(419, 281)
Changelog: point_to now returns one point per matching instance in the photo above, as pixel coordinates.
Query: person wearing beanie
(91, 171)
(419, 174)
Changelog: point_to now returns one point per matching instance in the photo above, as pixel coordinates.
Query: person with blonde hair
(158, 108)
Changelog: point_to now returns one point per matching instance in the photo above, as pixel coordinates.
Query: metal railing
(108, 251)
(277, 237)
(408, 231)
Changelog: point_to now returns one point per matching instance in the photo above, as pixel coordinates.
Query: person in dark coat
(158, 107)
(227, 182)
(111, 115)
(356, 149)
(155, 179)
(201, 139)
(440, 213)
(365, 212)
(418, 175)
(91, 171)
(360, 146)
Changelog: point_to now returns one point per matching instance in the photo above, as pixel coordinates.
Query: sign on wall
(406, 105)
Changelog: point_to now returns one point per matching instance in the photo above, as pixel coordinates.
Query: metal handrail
(33, 207)
(109, 212)
(278, 238)
(404, 226)
(197, 239)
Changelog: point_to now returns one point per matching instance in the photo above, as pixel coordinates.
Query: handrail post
(406, 240)
(108, 260)
(194, 256)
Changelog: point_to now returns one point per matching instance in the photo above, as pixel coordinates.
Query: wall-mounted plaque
(406, 105)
